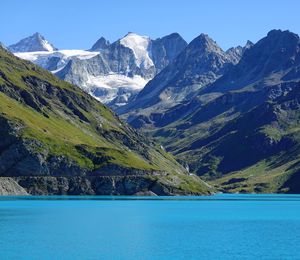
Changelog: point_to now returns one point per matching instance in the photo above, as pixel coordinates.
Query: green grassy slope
(54, 119)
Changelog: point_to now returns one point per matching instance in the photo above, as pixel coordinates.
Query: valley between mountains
(199, 119)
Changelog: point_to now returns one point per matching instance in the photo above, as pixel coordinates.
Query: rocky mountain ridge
(201, 63)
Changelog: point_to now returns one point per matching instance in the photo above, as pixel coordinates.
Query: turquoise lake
(216, 227)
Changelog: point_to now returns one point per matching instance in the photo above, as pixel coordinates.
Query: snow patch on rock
(140, 47)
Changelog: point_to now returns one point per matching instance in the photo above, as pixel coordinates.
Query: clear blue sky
(78, 24)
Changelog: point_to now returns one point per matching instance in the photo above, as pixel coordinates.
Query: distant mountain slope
(56, 139)
(112, 72)
(240, 131)
(271, 60)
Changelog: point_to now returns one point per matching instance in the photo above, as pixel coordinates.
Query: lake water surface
(216, 227)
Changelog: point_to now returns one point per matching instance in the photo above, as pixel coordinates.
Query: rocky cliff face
(96, 185)
(8, 187)
(164, 50)
(54, 134)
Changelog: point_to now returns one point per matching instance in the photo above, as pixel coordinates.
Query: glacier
(111, 72)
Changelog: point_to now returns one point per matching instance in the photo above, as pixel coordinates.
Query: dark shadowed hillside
(240, 131)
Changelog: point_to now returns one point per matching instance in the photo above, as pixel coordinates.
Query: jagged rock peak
(235, 53)
(278, 43)
(100, 44)
(35, 42)
(248, 44)
(174, 35)
(205, 43)
(281, 33)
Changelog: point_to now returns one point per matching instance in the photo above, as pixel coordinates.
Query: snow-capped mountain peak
(140, 47)
(35, 42)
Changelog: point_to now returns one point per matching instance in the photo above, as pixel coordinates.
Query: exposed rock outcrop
(9, 187)
(113, 185)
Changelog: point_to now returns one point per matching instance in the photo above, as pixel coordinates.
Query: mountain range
(235, 123)
(199, 64)
(111, 72)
